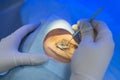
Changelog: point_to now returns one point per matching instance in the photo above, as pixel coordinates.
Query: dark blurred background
(9, 16)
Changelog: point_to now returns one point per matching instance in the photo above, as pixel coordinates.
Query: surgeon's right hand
(93, 54)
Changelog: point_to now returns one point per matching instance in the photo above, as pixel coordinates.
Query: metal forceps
(90, 20)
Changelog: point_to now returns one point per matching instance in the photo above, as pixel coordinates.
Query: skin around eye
(56, 45)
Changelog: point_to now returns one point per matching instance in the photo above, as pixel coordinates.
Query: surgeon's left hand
(10, 57)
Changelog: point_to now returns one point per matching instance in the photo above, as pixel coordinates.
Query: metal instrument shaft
(90, 20)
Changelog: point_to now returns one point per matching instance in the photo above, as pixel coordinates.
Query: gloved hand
(10, 57)
(93, 54)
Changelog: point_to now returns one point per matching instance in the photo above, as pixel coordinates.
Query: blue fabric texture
(36, 11)
(72, 11)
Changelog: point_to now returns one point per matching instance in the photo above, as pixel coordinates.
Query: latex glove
(93, 54)
(10, 57)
